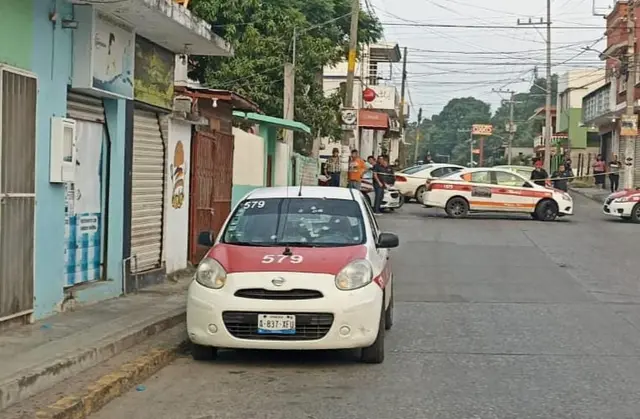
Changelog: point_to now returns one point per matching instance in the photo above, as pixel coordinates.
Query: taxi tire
(420, 191)
(635, 214)
(374, 354)
(464, 206)
(388, 313)
(203, 353)
(543, 207)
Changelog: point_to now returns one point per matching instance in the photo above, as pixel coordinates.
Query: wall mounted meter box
(63, 150)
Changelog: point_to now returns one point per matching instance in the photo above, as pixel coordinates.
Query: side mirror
(206, 238)
(387, 241)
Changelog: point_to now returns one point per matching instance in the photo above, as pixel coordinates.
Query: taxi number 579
(282, 259)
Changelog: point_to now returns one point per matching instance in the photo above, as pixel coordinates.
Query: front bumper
(618, 209)
(337, 320)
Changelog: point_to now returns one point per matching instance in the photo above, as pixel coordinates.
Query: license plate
(276, 324)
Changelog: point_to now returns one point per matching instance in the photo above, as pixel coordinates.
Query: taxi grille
(394, 195)
(263, 294)
(309, 326)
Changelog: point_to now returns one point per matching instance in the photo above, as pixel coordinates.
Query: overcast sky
(444, 63)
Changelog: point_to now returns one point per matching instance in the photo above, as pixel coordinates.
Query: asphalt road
(495, 318)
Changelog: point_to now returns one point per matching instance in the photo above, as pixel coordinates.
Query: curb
(30, 382)
(112, 385)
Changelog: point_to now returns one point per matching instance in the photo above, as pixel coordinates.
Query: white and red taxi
(294, 268)
(624, 204)
(495, 190)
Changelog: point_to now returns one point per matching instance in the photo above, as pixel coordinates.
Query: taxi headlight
(355, 275)
(623, 199)
(211, 274)
(567, 197)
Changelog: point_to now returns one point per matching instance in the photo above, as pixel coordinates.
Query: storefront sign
(348, 119)
(103, 55)
(373, 120)
(629, 125)
(154, 74)
(484, 130)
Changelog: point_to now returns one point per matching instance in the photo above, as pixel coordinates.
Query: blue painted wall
(52, 62)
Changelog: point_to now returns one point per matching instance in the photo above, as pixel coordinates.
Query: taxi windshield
(297, 222)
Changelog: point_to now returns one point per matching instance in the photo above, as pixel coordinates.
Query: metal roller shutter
(85, 108)
(147, 192)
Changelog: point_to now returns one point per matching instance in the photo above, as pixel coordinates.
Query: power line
(452, 25)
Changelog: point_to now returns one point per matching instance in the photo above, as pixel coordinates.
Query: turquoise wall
(51, 60)
(239, 191)
(17, 33)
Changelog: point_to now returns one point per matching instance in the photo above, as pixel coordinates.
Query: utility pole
(512, 127)
(403, 149)
(289, 92)
(547, 105)
(630, 143)
(347, 135)
(415, 153)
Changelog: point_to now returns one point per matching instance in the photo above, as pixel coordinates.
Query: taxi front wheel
(203, 353)
(546, 210)
(374, 354)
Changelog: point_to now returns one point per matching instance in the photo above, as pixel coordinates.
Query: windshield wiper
(295, 244)
(250, 244)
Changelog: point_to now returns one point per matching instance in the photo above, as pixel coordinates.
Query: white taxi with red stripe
(624, 204)
(294, 268)
(495, 190)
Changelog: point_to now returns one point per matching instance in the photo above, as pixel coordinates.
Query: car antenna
(287, 250)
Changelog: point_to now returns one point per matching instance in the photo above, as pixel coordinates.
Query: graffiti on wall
(177, 171)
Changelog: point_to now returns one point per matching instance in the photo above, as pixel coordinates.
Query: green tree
(450, 128)
(262, 32)
(527, 129)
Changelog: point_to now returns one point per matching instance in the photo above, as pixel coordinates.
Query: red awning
(373, 120)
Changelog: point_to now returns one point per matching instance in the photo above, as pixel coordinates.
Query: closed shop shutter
(147, 192)
(636, 163)
(85, 108)
(83, 238)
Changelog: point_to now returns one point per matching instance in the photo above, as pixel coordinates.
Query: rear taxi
(495, 190)
(294, 268)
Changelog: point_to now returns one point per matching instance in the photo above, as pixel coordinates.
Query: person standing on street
(614, 175)
(333, 168)
(357, 167)
(381, 174)
(560, 178)
(599, 170)
(539, 176)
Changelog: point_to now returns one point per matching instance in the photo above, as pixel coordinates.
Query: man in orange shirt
(357, 167)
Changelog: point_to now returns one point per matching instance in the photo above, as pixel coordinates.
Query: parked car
(623, 204)
(495, 190)
(294, 269)
(411, 181)
(391, 200)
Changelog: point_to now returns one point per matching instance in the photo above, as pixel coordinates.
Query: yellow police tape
(549, 179)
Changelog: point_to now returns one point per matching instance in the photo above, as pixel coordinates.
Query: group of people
(560, 178)
(600, 169)
(378, 171)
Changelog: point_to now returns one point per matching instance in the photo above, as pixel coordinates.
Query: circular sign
(369, 95)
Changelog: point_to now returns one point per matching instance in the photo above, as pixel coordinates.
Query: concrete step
(36, 357)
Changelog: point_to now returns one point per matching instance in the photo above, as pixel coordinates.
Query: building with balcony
(375, 97)
(573, 86)
(89, 142)
(609, 103)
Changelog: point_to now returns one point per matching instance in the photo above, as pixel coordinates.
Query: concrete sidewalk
(596, 194)
(34, 358)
